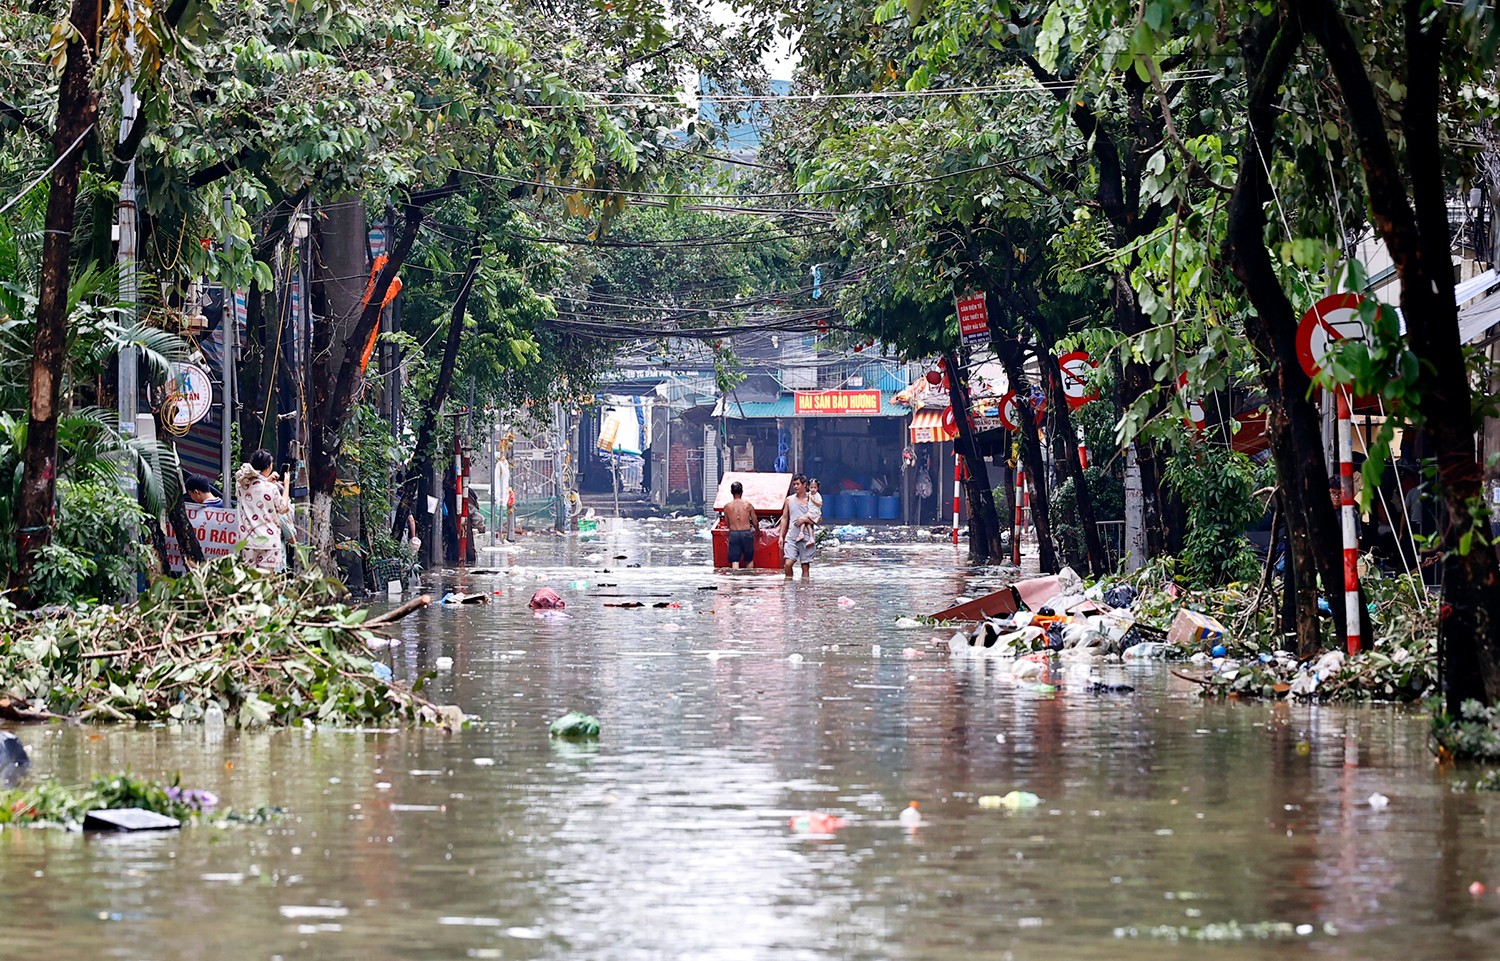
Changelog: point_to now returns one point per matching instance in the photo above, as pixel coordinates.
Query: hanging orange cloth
(390, 294)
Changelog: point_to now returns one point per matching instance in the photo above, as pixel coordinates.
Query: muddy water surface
(1169, 827)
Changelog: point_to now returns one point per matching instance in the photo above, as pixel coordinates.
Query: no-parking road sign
(1335, 317)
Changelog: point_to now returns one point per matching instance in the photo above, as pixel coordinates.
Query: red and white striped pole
(957, 472)
(1015, 530)
(461, 499)
(1351, 536)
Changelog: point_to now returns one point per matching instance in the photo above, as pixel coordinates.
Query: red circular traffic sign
(1074, 368)
(1335, 317)
(1197, 417)
(1010, 411)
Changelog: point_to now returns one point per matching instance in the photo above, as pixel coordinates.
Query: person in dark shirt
(197, 489)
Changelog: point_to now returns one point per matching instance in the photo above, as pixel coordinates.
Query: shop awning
(926, 427)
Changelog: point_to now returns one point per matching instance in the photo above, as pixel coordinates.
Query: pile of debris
(221, 641)
(1062, 616)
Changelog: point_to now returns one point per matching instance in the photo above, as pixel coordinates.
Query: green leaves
(271, 650)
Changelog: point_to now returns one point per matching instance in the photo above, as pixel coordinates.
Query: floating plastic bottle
(911, 817)
(213, 718)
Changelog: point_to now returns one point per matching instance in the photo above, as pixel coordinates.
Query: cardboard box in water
(1191, 629)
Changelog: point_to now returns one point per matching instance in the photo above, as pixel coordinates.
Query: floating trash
(816, 822)
(575, 725)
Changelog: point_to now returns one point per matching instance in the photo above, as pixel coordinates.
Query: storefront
(850, 440)
(932, 445)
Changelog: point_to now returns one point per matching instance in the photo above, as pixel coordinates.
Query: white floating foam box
(392, 588)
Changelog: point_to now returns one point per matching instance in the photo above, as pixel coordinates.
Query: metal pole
(1351, 537)
(128, 394)
(561, 516)
(229, 330)
(494, 476)
(460, 499)
(1018, 520)
(957, 471)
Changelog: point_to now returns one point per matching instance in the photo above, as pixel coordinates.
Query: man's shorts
(799, 552)
(742, 547)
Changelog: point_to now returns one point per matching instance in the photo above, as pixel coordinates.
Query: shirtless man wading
(742, 522)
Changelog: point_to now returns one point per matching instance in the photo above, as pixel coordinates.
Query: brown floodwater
(1169, 827)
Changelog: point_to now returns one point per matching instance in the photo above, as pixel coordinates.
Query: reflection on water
(1169, 827)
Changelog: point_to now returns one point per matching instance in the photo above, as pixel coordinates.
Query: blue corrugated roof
(784, 406)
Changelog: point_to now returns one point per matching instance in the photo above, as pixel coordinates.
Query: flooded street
(1169, 827)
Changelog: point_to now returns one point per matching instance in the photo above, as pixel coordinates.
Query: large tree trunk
(1011, 359)
(414, 485)
(326, 420)
(1294, 427)
(252, 361)
(77, 110)
(984, 522)
(1065, 452)
(1119, 160)
(1416, 235)
(1136, 381)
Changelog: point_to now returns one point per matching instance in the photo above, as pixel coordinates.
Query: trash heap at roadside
(1226, 639)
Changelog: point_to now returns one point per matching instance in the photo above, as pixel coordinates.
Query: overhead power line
(1026, 86)
(769, 195)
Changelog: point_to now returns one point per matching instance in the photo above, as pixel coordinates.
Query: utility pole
(460, 495)
(128, 397)
(561, 517)
(494, 476)
(229, 329)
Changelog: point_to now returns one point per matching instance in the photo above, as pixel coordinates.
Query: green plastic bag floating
(576, 725)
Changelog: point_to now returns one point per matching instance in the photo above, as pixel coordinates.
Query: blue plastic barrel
(864, 505)
(890, 508)
(846, 505)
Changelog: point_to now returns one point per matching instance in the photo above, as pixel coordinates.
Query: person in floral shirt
(264, 507)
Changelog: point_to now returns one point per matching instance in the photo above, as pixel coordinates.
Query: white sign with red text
(218, 530)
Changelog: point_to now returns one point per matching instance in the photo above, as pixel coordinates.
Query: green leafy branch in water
(268, 650)
(53, 805)
(1473, 735)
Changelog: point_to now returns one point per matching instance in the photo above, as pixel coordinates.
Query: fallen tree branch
(389, 617)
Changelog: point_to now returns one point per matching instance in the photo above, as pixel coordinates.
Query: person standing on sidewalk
(264, 509)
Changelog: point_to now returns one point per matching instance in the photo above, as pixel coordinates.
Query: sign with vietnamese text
(824, 403)
(192, 394)
(973, 320)
(218, 530)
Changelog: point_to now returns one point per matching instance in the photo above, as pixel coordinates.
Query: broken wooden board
(128, 819)
(1003, 601)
